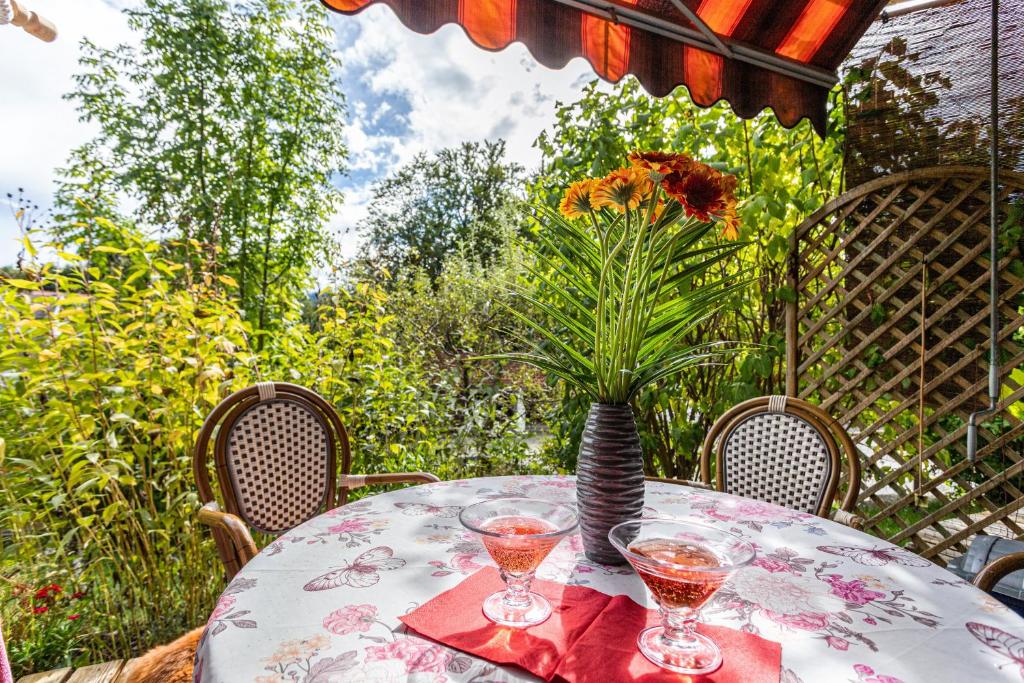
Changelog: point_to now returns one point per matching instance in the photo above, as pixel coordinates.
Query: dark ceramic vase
(610, 478)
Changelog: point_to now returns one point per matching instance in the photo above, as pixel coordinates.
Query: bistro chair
(998, 572)
(275, 450)
(782, 450)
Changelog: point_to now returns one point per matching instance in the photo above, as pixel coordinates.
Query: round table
(321, 603)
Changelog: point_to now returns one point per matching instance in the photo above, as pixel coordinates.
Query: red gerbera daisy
(704, 192)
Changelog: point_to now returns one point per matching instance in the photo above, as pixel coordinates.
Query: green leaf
(20, 283)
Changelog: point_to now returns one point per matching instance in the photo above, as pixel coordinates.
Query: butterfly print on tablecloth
(1006, 644)
(362, 573)
(876, 557)
(423, 510)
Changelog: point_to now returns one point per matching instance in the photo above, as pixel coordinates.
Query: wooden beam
(126, 671)
(97, 673)
(58, 676)
(33, 24)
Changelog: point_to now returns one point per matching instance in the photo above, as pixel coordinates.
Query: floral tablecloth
(321, 603)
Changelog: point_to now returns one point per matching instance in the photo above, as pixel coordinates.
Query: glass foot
(698, 656)
(535, 610)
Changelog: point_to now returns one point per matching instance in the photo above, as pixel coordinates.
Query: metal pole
(993, 322)
(766, 59)
(902, 8)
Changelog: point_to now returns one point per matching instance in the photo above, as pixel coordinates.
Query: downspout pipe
(993, 324)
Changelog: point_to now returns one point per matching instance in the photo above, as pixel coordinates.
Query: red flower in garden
(45, 592)
(72, 617)
(40, 610)
(77, 595)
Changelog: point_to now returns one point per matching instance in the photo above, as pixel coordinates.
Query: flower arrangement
(619, 266)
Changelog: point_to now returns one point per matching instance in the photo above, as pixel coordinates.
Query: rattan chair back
(275, 449)
(781, 450)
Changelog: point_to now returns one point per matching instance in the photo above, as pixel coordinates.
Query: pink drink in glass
(518, 533)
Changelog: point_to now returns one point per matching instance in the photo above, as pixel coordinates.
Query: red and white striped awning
(781, 54)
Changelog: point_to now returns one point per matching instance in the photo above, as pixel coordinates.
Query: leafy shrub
(108, 367)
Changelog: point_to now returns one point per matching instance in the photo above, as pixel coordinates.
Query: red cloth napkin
(456, 619)
(608, 651)
(589, 638)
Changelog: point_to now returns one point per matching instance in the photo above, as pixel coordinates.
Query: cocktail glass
(518, 533)
(683, 564)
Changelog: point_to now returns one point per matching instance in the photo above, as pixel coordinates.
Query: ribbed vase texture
(610, 478)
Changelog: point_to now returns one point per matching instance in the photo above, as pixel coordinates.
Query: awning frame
(706, 39)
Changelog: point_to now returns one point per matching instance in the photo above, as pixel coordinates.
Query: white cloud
(407, 93)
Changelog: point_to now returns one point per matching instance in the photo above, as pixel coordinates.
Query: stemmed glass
(518, 533)
(683, 564)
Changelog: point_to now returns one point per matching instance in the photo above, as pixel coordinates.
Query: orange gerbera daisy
(622, 189)
(730, 224)
(576, 201)
(661, 163)
(703, 192)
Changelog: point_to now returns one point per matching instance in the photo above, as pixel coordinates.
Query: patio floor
(110, 672)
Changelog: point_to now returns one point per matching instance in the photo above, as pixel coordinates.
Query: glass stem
(680, 626)
(517, 589)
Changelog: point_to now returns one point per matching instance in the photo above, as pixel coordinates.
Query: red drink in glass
(512, 548)
(682, 564)
(676, 588)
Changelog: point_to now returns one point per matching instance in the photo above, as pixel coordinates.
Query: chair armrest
(235, 529)
(354, 481)
(990, 574)
(849, 519)
(682, 482)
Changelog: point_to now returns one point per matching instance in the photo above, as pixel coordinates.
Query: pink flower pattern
(865, 674)
(837, 643)
(350, 525)
(418, 655)
(805, 621)
(224, 605)
(773, 565)
(742, 509)
(853, 592)
(351, 619)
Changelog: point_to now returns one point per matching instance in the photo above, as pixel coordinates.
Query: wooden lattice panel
(864, 267)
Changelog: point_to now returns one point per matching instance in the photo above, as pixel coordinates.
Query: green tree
(452, 320)
(222, 126)
(428, 208)
(783, 176)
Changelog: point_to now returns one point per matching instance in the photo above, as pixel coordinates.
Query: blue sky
(406, 92)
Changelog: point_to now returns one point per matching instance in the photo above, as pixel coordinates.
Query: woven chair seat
(276, 444)
(785, 451)
(778, 458)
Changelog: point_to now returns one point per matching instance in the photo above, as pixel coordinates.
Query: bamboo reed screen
(891, 283)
